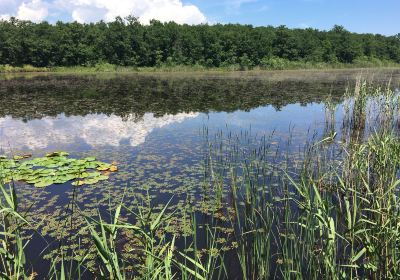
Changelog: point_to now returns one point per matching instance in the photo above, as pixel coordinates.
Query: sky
(362, 16)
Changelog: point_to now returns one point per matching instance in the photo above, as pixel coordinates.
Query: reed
(12, 248)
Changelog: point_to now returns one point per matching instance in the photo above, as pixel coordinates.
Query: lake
(159, 130)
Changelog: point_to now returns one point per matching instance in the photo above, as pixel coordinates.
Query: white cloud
(163, 10)
(173, 11)
(86, 14)
(95, 10)
(35, 11)
(4, 17)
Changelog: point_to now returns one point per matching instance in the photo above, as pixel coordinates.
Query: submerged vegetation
(331, 211)
(169, 46)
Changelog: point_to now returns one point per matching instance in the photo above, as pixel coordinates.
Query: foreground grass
(336, 216)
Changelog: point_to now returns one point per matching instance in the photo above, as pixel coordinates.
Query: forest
(127, 42)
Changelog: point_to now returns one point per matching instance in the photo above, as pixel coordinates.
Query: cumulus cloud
(163, 10)
(35, 11)
(95, 10)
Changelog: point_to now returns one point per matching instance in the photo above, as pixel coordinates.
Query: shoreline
(182, 69)
(327, 74)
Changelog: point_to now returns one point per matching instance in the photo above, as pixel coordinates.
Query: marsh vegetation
(307, 188)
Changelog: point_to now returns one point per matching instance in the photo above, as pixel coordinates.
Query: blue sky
(367, 16)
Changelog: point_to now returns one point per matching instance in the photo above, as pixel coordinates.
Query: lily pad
(103, 168)
(44, 183)
(102, 177)
(78, 183)
(91, 181)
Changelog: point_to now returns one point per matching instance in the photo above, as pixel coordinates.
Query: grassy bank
(332, 213)
(271, 64)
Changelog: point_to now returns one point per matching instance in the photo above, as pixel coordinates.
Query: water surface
(155, 127)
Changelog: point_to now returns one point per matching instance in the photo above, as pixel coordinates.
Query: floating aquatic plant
(54, 168)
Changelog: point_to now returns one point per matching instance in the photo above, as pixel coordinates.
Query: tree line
(127, 42)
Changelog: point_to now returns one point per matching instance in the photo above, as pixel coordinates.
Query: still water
(154, 127)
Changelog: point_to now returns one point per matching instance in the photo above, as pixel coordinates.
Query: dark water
(154, 127)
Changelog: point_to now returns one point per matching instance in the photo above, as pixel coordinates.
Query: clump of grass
(21, 69)
(349, 224)
(12, 245)
(336, 215)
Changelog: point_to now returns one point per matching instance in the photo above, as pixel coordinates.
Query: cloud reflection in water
(94, 130)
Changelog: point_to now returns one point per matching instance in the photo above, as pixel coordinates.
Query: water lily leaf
(33, 180)
(102, 177)
(94, 174)
(7, 180)
(91, 165)
(113, 168)
(79, 162)
(44, 183)
(91, 181)
(83, 175)
(52, 165)
(17, 177)
(18, 157)
(23, 168)
(61, 179)
(103, 168)
(43, 171)
(78, 183)
(5, 171)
